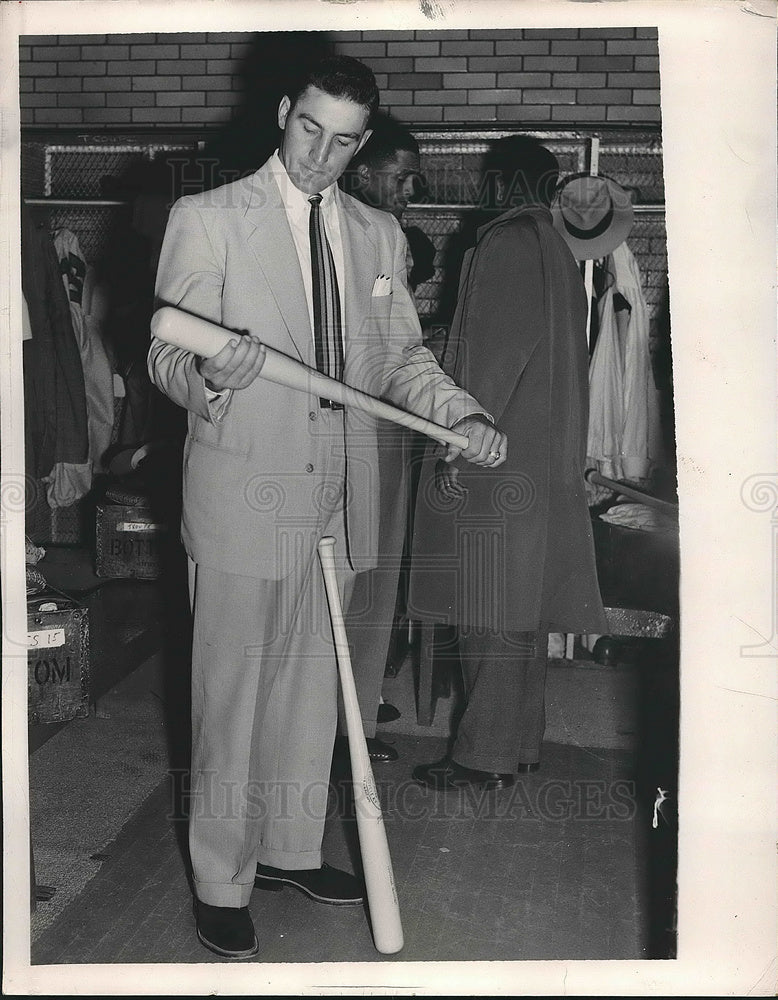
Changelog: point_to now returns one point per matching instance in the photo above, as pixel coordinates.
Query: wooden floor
(547, 870)
(562, 866)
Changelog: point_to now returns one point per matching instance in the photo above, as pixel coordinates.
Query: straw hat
(593, 214)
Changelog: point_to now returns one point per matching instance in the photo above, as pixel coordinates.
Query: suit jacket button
(312, 415)
(309, 467)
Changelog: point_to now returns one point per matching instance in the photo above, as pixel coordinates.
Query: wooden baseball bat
(192, 333)
(374, 848)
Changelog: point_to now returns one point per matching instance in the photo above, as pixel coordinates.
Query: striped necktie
(326, 301)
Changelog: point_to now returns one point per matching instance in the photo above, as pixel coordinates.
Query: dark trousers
(505, 681)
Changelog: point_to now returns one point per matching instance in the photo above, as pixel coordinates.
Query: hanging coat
(54, 395)
(624, 440)
(78, 279)
(517, 552)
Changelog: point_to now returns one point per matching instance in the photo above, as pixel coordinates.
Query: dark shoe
(387, 712)
(226, 930)
(528, 768)
(325, 884)
(446, 774)
(378, 751)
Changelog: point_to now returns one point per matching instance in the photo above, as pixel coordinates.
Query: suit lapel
(271, 241)
(359, 256)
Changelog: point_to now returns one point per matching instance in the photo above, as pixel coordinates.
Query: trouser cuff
(223, 893)
(289, 860)
(501, 765)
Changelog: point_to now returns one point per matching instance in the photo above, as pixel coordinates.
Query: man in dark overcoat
(507, 555)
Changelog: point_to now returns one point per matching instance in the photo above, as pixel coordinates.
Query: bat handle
(376, 860)
(326, 549)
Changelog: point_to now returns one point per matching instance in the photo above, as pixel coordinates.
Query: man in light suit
(268, 471)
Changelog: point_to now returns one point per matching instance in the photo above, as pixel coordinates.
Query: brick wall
(563, 77)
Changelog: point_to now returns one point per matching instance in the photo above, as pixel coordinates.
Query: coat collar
(536, 211)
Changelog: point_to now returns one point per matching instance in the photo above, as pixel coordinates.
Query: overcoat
(255, 479)
(517, 552)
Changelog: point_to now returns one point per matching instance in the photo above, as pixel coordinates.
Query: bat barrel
(200, 336)
(191, 333)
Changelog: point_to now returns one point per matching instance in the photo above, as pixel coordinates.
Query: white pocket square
(382, 285)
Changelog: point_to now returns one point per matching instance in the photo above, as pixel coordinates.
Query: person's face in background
(391, 185)
(320, 134)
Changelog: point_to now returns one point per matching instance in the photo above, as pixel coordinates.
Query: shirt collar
(294, 199)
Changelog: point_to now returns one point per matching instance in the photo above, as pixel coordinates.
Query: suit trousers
(504, 718)
(264, 710)
(374, 600)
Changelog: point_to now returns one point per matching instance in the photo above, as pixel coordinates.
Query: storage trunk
(57, 659)
(128, 542)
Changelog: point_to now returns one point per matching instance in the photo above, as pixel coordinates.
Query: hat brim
(604, 243)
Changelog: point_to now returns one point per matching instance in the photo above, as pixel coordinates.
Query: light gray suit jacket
(254, 480)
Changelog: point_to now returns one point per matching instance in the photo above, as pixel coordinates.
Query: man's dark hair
(340, 76)
(389, 138)
(529, 171)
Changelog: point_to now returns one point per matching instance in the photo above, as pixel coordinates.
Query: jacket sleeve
(190, 277)
(500, 316)
(413, 379)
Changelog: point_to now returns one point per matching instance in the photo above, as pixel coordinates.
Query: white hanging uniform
(78, 277)
(624, 434)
